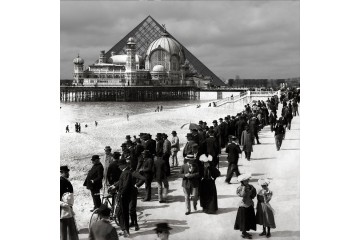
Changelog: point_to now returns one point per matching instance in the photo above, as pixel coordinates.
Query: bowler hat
(215, 121)
(173, 132)
(127, 137)
(158, 135)
(220, 119)
(64, 168)
(165, 135)
(160, 227)
(95, 157)
(103, 210)
(200, 121)
(116, 155)
(107, 148)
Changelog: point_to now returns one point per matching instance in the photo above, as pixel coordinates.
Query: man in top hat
(240, 125)
(93, 180)
(223, 132)
(195, 135)
(246, 142)
(211, 147)
(233, 151)
(139, 148)
(167, 153)
(159, 145)
(103, 229)
(160, 177)
(127, 139)
(150, 144)
(217, 134)
(174, 148)
(188, 146)
(114, 172)
(67, 223)
(190, 183)
(124, 187)
(162, 231)
(147, 171)
(105, 161)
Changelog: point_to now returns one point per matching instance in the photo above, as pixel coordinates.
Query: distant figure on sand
(127, 117)
(161, 108)
(96, 123)
(67, 128)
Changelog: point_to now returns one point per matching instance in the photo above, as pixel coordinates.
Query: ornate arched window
(158, 57)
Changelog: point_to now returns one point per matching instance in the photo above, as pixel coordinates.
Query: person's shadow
(176, 225)
(285, 234)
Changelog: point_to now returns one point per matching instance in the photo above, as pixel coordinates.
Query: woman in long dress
(207, 190)
(245, 218)
(264, 212)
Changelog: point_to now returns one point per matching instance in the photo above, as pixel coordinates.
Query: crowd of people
(143, 160)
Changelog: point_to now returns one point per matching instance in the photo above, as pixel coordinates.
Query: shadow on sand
(289, 149)
(252, 159)
(176, 225)
(285, 234)
(226, 210)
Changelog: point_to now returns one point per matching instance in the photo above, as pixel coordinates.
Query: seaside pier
(125, 93)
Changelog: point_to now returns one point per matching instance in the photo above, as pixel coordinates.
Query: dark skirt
(208, 196)
(245, 219)
(265, 215)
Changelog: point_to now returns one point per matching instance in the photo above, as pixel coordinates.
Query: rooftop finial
(164, 28)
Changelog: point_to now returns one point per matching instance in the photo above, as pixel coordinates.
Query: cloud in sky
(250, 39)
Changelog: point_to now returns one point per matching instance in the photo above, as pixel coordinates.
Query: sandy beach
(77, 148)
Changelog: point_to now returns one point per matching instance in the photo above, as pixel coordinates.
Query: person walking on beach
(79, 128)
(96, 123)
(207, 188)
(76, 127)
(67, 222)
(124, 187)
(147, 171)
(233, 151)
(161, 108)
(174, 148)
(190, 183)
(106, 160)
(279, 134)
(246, 142)
(160, 178)
(245, 217)
(264, 211)
(103, 229)
(93, 180)
(127, 116)
(67, 129)
(166, 153)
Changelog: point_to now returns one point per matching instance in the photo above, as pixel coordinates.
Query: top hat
(160, 227)
(200, 122)
(107, 148)
(95, 157)
(116, 155)
(159, 135)
(127, 137)
(173, 132)
(64, 168)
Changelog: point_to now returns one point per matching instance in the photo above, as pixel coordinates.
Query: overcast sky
(258, 39)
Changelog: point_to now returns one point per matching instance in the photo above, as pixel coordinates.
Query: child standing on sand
(264, 212)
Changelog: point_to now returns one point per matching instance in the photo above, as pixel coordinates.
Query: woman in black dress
(208, 193)
(245, 218)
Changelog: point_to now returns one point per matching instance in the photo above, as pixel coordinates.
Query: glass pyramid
(148, 31)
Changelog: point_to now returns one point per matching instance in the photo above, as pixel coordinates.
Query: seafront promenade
(282, 167)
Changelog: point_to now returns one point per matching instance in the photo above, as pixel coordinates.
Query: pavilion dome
(78, 60)
(168, 44)
(158, 68)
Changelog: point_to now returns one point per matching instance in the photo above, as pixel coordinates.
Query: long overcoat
(246, 141)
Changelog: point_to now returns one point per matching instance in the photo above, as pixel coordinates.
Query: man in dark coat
(103, 229)
(223, 132)
(217, 134)
(279, 134)
(241, 125)
(190, 183)
(124, 187)
(160, 177)
(211, 147)
(159, 145)
(233, 151)
(150, 144)
(167, 153)
(67, 225)
(254, 128)
(195, 136)
(188, 146)
(147, 171)
(272, 120)
(114, 172)
(138, 149)
(93, 181)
